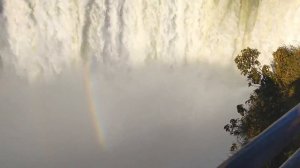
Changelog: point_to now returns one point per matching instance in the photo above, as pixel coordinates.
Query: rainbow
(95, 117)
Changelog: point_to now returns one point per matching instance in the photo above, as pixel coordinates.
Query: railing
(293, 161)
(269, 143)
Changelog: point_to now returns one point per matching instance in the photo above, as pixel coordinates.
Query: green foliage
(286, 65)
(276, 91)
(249, 66)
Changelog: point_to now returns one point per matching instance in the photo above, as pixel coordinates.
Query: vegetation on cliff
(276, 91)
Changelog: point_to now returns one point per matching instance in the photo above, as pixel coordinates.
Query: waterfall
(45, 37)
(84, 109)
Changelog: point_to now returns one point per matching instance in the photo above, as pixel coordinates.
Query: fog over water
(128, 83)
(151, 117)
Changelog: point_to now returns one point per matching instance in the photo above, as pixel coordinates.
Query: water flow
(45, 36)
(148, 115)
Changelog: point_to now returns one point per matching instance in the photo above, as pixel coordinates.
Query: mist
(152, 116)
(159, 86)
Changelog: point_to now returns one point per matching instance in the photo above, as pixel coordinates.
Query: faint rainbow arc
(92, 106)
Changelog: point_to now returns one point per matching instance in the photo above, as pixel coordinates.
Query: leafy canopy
(276, 90)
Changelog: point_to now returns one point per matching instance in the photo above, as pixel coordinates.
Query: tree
(276, 90)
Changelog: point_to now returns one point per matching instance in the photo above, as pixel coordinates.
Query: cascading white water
(46, 36)
(151, 116)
